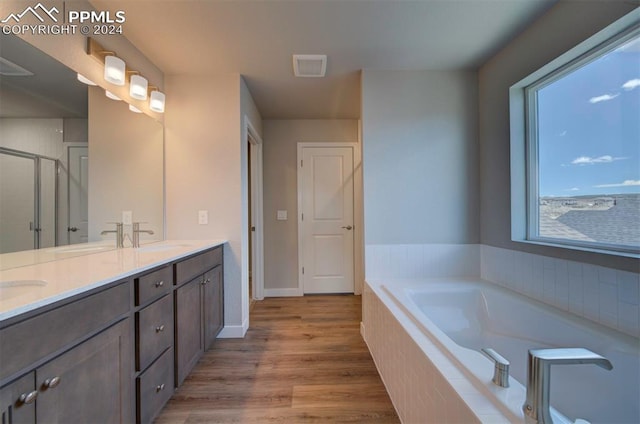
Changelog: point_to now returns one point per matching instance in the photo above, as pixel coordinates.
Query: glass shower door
(17, 203)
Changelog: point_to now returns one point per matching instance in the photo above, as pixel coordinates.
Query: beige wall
(71, 50)
(563, 27)
(280, 191)
(126, 154)
(420, 157)
(206, 170)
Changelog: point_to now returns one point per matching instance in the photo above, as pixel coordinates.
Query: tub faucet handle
(501, 368)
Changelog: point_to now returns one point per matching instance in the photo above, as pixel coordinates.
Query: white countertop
(60, 279)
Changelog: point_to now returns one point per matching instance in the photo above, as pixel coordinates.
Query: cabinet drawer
(197, 265)
(153, 285)
(28, 341)
(154, 331)
(154, 387)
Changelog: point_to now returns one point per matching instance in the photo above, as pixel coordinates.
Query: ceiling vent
(10, 69)
(309, 65)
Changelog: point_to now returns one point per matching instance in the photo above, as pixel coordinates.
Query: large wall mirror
(72, 160)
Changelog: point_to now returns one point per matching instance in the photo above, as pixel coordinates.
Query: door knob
(348, 227)
(72, 229)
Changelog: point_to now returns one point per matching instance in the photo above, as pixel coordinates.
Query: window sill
(551, 243)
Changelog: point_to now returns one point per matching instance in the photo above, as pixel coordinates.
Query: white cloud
(572, 189)
(603, 98)
(587, 160)
(631, 84)
(625, 183)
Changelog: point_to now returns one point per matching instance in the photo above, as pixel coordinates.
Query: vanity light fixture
(132, 108)
(112, 96)
(85, 80)
(138, 86)
(114, 67)
(114, 70)
(156, 103)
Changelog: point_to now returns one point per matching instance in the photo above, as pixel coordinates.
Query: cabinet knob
(50, 383)
(160, 388)
(159, 284)
(160, 329)
(27, 398)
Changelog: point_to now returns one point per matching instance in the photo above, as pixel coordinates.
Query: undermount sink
(79, 249)
(15, 288)
(21, 283)
(160, 247)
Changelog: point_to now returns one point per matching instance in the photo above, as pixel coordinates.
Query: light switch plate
(281, 215)
(127, 217)
(203, 217)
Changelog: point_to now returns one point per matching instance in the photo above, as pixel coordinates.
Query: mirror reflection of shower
(28, 201)
(43, 150)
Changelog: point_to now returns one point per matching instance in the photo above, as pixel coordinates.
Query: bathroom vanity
(106, 337)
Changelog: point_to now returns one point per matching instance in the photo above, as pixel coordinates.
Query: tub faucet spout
(536, 407)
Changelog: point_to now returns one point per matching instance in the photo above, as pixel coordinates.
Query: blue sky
(589, 127)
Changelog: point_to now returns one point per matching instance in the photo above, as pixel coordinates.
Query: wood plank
(302, 361)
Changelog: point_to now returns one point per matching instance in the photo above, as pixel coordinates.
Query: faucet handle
(501, 368)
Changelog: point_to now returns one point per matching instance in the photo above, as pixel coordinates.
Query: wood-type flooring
(302, 361)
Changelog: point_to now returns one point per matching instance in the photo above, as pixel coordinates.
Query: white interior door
(325, 196)
(78, 195)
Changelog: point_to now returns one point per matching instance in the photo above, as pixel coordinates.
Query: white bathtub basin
(464, 317)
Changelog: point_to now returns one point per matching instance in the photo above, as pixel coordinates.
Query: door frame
(358, 215)
(257, 256)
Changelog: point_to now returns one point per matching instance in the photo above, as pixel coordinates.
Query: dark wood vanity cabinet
(75, 360)
(115, 354)
(87, 383)
(18, 401)
(199, 306)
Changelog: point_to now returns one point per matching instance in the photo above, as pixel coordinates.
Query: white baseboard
(283, 292)
(234, 331)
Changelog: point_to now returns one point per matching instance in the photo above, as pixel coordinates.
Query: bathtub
(461, 317)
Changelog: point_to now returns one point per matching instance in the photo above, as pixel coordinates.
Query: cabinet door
(18, 401)
(189, 341)
(213, 305)
(91, 383)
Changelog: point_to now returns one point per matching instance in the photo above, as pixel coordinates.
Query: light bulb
(114, 70)
(138, 88)
(156, 103)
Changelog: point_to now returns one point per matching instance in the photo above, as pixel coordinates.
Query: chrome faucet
(136, 233)
(536, 407)
(501, 368)
(119, 232)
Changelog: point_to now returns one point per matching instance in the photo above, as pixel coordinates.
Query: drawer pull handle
(160, 329)
(51, 383)
(159, 284)
(27, 398)
(205, 281)
(160, 388)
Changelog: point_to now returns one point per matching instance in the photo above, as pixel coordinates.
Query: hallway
(302, 360)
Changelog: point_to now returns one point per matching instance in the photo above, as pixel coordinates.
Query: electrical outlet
(203, 217)
(127, 217)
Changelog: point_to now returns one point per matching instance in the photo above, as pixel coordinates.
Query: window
(582, 150)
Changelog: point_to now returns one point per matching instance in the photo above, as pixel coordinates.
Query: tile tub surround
(425, 386)
(69, 277)
(603, 295)
(422, 260)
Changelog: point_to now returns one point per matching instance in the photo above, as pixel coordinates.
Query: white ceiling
(258, 38)
(51, 92)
